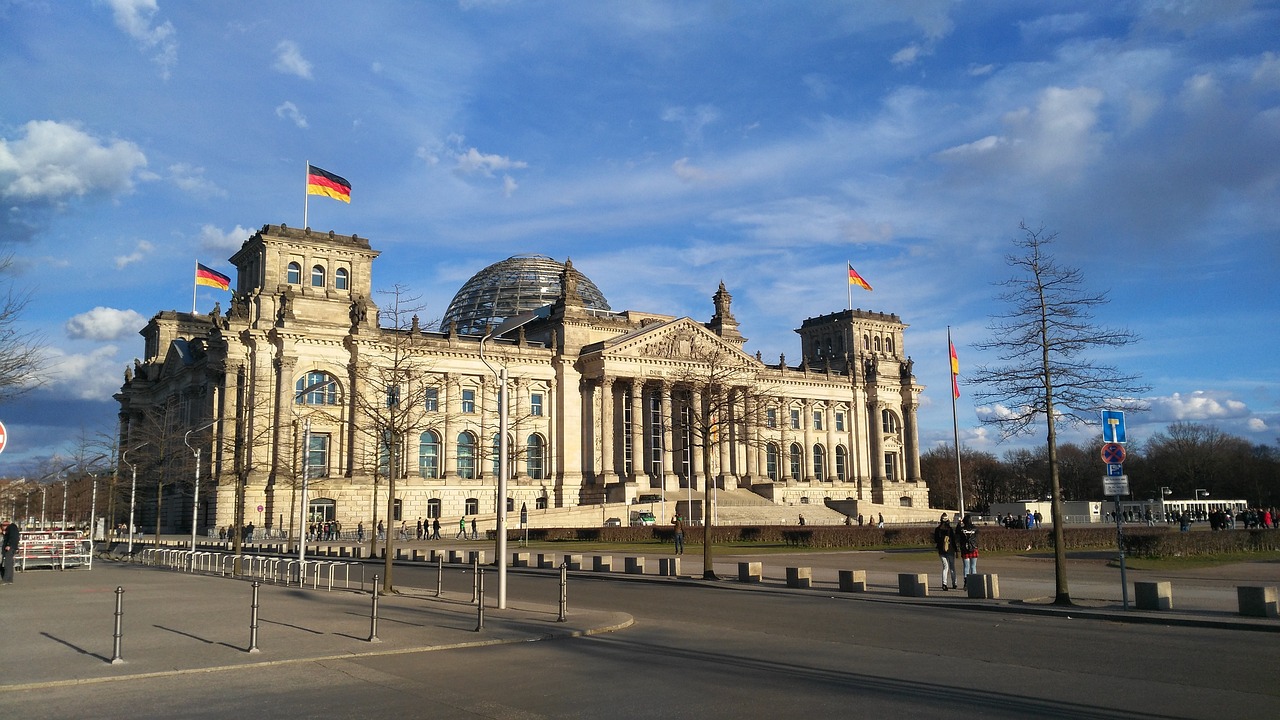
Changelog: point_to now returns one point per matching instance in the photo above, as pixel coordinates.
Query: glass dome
(518, 284)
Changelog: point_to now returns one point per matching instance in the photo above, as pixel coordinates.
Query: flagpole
(306, 197)
(955, 423)
(849, 285)
(194, 286)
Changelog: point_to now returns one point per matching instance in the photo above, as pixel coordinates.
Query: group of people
(1029, 521)
(228, 532)
(959, 541)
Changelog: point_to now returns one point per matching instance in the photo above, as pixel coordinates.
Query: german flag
(211, 278)
(856, 279)
(323, 182)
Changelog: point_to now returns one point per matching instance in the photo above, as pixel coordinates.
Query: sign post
(1116, 483)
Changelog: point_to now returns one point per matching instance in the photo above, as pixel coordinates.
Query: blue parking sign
(1113, 426)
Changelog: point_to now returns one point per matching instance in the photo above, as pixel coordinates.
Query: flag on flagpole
(955, 371)
(212, 278)
(322, 182)
(856, 279)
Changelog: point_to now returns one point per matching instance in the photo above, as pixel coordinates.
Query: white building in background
(603, 405)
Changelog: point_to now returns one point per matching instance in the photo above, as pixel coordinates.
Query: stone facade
(603, 405)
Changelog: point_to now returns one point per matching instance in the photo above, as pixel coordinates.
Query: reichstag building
(305, 381)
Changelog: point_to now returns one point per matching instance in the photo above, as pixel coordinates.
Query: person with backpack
(944, 541)
(967, 542)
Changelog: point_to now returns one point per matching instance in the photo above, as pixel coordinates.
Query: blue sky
(665, 147)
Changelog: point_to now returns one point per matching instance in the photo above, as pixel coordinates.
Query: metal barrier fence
(268, 568)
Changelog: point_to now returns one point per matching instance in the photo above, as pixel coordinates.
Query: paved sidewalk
(59, 625)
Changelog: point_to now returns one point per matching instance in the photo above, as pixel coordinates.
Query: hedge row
(1159, 541)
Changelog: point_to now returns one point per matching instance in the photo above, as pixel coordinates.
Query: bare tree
(391, 374)
(723, 399)
(1042, 339)
(22, 357)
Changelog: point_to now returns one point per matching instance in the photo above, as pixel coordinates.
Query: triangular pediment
(678, 340)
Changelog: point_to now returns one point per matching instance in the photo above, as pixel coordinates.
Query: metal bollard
(373, 616)
(564, 591)
(115, 646)
(439, 573)
(253, 620)
(480, 605)
(475, 578)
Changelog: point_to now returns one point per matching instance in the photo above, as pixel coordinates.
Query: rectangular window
(432, 401)
(318, 455)
(795, 419)
(817, 419)
(889, 466)
(771, 418)
(839, 421)
(535, 404)
(468, 401)
(393, 396)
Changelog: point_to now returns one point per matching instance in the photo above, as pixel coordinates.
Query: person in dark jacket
(967, 544)
(944, 542)
(12, 536)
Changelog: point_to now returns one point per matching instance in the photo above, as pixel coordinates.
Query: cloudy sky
(664, 147)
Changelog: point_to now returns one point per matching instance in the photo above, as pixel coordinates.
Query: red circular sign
(3, 437)
(1113, 453)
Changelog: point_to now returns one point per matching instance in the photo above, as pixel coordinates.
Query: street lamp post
(195, 495)
(133, 490)
(500, 516)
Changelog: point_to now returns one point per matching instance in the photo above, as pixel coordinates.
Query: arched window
(317, 276)
(540, 502)
(819, 462)
(889, 422)
(472, 506)
(877, 339)
(316, 388)
(797, 461)
(466, 456)
(533, 457)
(429, 455)
(433, 508)
(888, 344)
(294, 274)
(771, 461)
(340, 279)
(842, 463)
(904, 501)
(866, 342)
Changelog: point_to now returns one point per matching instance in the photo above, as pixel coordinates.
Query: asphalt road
(720, 651)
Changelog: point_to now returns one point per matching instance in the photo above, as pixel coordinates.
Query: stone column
(806, 421)
(875, 430)
(608, 439)
(449, 440)
(751, 433)
(722, 399)
(638, 454)
(668, 467)
(829, 416)
(911, 439)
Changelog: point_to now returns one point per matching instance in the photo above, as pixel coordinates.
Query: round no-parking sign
(3, 437)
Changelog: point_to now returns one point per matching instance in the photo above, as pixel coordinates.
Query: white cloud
(192, 180)
(473, 161)
(211, 238)
(692, 121)
(81, 376)
(907, 55)
(688, 173)
(289, 60)
(509, 185)
(140, 252)
(55, 160)
(288, 110)
(135, 18)
(104, 323)
(1199, 405)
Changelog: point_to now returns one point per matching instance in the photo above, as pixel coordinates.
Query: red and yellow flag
(856, 279)
(955, 371)
(211, 278)
(322, 182)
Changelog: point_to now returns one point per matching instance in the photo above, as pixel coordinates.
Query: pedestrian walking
(360, 531)
(475, 534)
(968, 542)
(462, 529)
(944, 541)
(11, 535)
(435, 529)
(677, 524)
